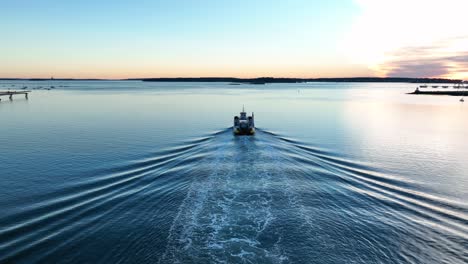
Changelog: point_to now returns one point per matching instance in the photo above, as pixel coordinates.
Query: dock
(11, 93)
(451, 93)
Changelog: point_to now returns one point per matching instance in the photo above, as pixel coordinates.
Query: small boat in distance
(244, 125)
(435, 86)
(423, 86)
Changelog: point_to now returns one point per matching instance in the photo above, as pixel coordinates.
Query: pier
(11, 93)
(452, 93)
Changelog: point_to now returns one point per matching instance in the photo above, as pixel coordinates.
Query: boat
(462, 100)
(435, 86)
(445, 86)
(423, 86)
(244, 125)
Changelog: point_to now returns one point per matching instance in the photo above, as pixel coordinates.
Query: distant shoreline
(260, 80)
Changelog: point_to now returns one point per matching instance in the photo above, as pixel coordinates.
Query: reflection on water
(142, 173)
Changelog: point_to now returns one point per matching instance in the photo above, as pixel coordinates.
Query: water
(132, 172)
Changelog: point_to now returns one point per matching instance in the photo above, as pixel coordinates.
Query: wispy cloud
(442, 59)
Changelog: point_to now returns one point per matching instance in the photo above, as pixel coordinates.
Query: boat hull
(243, 132)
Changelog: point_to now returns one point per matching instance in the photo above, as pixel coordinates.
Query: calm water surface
(132, 172)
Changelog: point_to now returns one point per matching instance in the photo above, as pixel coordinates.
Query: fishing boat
(423, 86)
(243, 124)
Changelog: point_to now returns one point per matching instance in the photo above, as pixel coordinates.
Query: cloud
(417, 38)
(439, 60)
(417, 69)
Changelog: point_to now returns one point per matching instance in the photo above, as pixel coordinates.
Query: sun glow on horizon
(414, 38)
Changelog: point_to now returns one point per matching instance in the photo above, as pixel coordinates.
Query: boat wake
(226, 199)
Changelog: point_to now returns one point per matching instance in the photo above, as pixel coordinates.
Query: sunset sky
(242, 38)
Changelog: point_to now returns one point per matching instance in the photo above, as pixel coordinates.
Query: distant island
(260, 80)
(266, 80)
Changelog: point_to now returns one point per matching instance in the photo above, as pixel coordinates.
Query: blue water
(133, 172)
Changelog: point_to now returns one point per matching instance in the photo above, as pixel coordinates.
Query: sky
(239, 38)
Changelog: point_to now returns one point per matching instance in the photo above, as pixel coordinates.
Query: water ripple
(223, 199)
